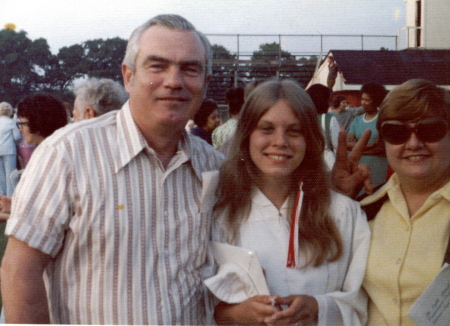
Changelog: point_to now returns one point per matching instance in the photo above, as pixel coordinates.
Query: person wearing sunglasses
(410, 214)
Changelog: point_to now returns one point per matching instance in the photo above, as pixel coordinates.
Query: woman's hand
(251, 311)
(348, 176)
(302, 309)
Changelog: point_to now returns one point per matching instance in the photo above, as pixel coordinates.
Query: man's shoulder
(204, 153)
(73, 132)
(200, 145)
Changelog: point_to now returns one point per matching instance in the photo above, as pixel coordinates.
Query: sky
(67, 22)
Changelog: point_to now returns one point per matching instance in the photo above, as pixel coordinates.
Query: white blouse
(336, 285)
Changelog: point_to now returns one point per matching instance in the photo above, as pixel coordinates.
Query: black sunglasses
(428, 130)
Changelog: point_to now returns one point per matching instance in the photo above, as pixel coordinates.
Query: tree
(220, 52)
(267, 60)
(23, 64)
(66, 66)
(223, 73)
(103, 58)
(271, 51)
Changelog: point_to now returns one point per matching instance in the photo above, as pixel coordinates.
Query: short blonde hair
(6, 109)
(413, 100)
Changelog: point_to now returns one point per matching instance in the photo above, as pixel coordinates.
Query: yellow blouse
(405, 253)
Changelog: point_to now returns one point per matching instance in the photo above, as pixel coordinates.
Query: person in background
(372, 94)
(235, 99)
(69, 111)
(108, 224)
(409, 215)
(9, 138)
(207, 120)
(249, 87)
(275, 157)
(39, 116)
(333, 71)
(321, 95)
(94, 97)
(343, 114)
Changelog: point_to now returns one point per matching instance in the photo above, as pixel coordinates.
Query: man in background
(94, 97)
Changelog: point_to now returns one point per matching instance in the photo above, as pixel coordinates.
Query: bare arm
(23, 290)
(5, 204)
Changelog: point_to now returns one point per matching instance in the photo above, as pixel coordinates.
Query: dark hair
(44, 112)
(320, 95)
(413, 100)
(235, 99)
(337, 101)
(376, 91)
(201, 117)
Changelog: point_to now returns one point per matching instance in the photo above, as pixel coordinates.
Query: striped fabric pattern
(128, 237)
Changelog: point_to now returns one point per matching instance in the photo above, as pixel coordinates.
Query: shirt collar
(260, 199)
(392, 188)
(131, 142)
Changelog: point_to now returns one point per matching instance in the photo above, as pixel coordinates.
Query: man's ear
(89, 113)
(127, 74)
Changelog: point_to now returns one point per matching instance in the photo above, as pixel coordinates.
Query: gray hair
(171, 21)
(6, 109)
(103, 95)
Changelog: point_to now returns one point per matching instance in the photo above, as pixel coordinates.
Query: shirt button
(395, 300)
(407, 228)
(398, 261)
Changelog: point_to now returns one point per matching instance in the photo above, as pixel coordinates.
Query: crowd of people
(114, 219)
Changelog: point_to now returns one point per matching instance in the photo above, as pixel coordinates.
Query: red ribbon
(292, 258)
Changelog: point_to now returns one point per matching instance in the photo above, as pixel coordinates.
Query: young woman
(275, 169)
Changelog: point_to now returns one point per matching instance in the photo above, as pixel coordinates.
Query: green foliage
(27, 66)
(271, 51)
(220, 52)
(103, 58)
(22, 64)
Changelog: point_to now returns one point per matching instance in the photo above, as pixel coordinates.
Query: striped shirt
(129, 237)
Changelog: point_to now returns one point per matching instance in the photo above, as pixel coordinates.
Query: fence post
(236, 66)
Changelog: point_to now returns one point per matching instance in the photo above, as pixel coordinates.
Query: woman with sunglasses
(411, 212)
(275, 199)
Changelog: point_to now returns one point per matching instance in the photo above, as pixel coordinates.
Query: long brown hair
(319, 238)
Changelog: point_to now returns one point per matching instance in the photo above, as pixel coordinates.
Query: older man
(117, 226)
(94, 97)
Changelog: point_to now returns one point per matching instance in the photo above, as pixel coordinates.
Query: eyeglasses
(20, 124)
(428, 130)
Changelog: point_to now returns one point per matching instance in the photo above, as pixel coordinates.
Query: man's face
(169, 81)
